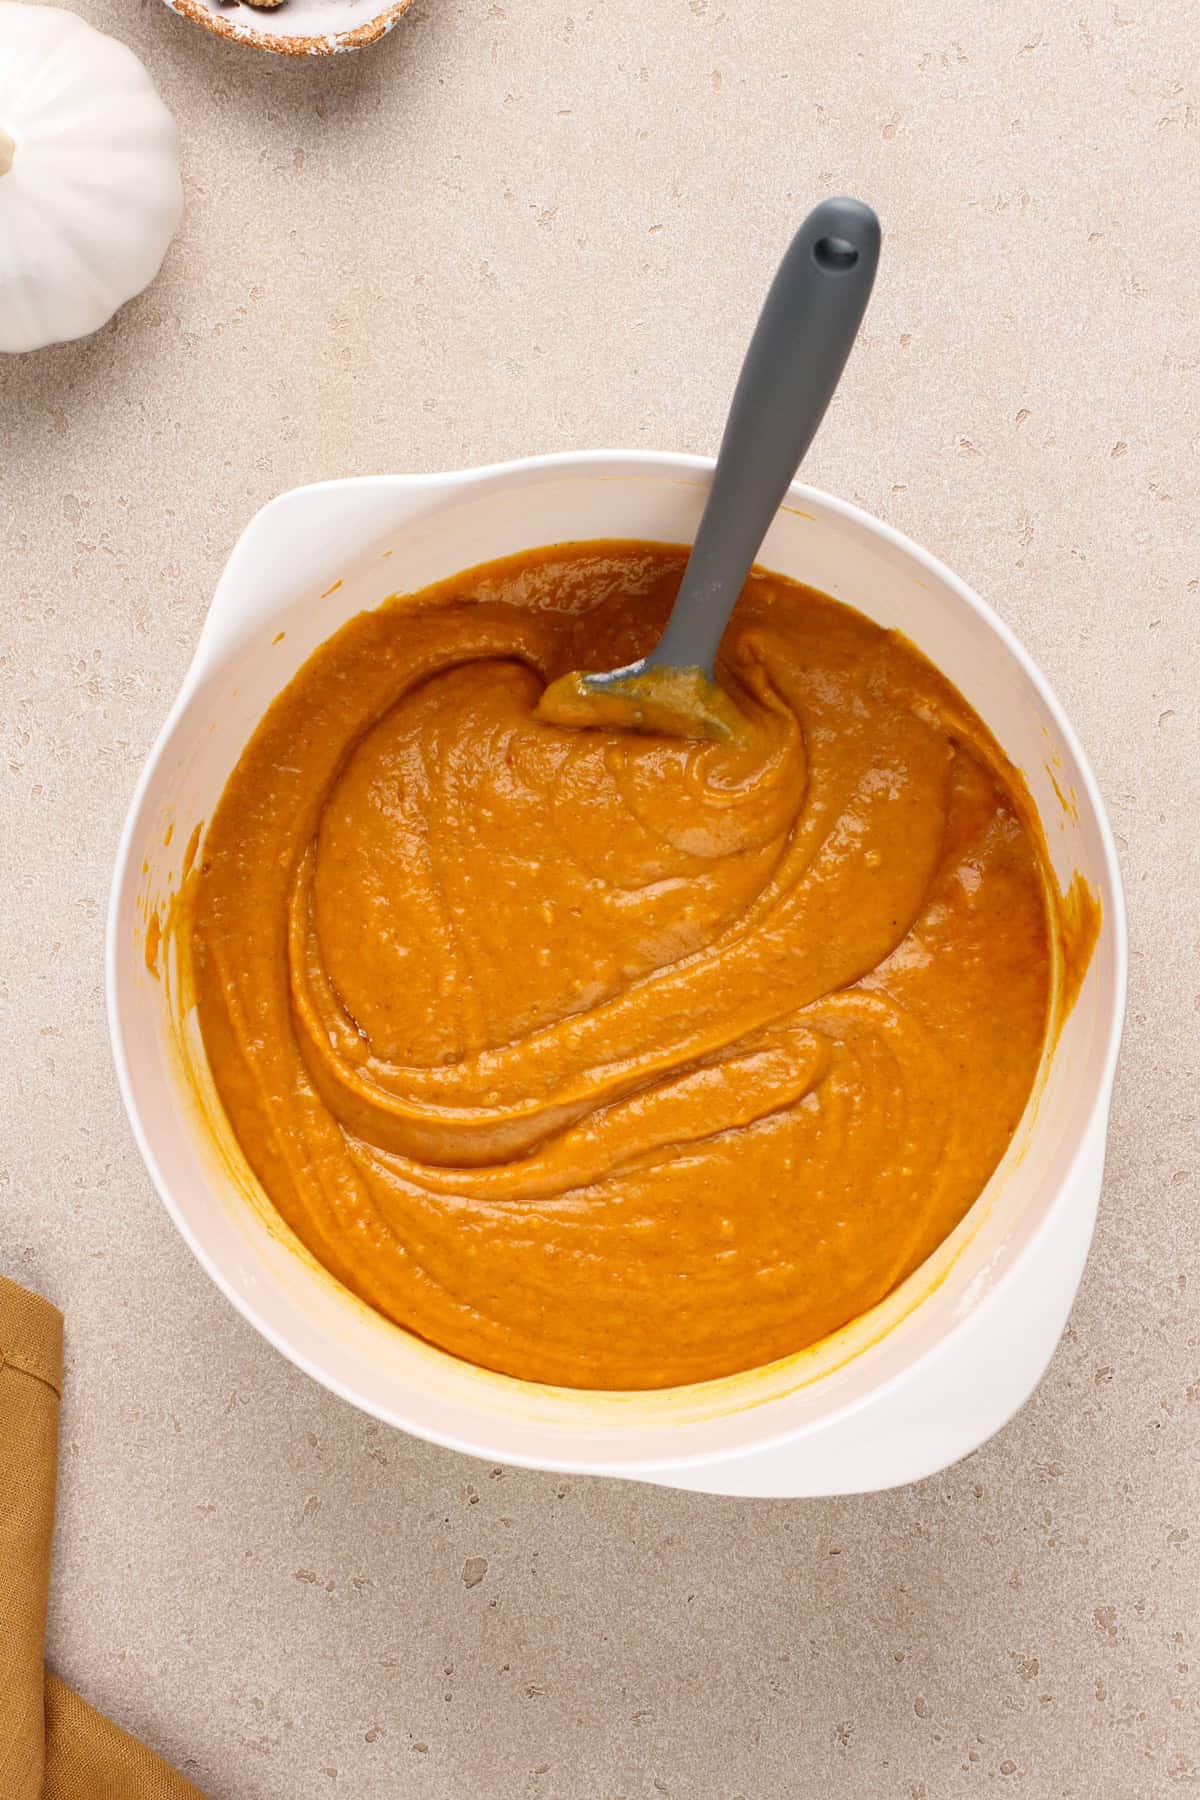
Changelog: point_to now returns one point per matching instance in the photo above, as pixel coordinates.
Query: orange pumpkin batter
(609, 1060)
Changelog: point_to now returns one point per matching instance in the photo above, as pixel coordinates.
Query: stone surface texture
(533, 225)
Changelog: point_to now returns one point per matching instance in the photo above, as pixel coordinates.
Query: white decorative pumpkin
(89, 177)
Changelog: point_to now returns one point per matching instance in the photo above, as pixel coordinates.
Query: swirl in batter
(609, 1060)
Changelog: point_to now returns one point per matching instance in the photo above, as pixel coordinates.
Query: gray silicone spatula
(804, 335)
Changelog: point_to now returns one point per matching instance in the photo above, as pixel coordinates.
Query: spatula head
(662, 701)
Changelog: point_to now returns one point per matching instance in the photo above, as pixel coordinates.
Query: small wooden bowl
(298, 27)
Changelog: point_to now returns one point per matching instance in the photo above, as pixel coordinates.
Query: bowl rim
(281, 43)
(574, 1458)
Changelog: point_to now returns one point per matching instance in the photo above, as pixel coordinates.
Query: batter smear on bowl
(608, 1060)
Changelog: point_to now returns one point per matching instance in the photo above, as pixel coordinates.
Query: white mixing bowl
(916, 1383)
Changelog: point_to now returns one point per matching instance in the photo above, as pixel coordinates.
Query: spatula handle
(804, 334)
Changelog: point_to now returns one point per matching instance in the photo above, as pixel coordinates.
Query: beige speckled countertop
(531, 225)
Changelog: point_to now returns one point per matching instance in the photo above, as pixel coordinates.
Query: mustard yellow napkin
(53, 1746)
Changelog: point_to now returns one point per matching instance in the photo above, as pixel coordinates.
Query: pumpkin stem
(7, 150)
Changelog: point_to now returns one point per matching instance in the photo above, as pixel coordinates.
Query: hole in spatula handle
(834, 254)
